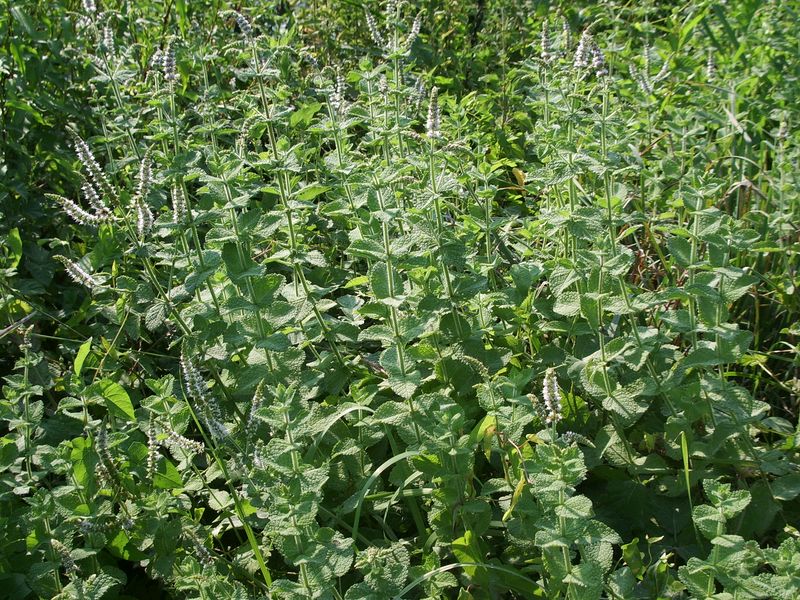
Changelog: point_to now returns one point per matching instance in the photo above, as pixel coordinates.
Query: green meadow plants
(373, 301)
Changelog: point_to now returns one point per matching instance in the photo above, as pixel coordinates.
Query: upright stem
(27, 410)
(118, 98)
(53, 556)
(448, 284)
(546, 89)
(297, 471)
(562, 528)
(398, 77)
(284, 187)
(612, 236)
(181, 233)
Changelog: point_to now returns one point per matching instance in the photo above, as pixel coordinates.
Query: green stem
(254, 546)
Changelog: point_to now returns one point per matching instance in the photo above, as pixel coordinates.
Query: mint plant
(399, 300)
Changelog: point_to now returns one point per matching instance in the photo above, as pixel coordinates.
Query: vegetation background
(425, 299)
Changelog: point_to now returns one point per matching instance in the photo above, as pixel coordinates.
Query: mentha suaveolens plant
(391, 301)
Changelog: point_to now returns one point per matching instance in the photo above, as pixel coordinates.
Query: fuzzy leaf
(385, 282)
(167, 476)
(116, 399)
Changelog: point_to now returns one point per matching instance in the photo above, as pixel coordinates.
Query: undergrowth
(409, 300)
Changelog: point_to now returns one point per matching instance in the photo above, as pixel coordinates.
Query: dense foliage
(399, 300)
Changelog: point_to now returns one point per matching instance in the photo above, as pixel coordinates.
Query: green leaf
(355, 501)
(689, 25)
(391, 413)
(367, 248)
(467, 550)
(94, 587)
(385, 569)
(310, 192)
(568, 304)
(238, 264)
(787, 487)
(589, 577)
(624, 401)
(155, 315)
(483, 433)
(8, 452)
(632, 556)
(14, 244)
(80, 465)
(476, 515)
(405, 385)
(681, 251)
(167, 476)
(116, 399)
(183, 19)
(304, 114)
(385, 281)
(357, 282)
(697, 577)
(709, 520)
(119, 546)
(337, 550)
(729, 502)
(25, 21)
(623, 583)
(576, 507)
(83, 352)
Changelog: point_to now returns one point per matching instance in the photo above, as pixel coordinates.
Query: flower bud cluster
(434, 118)
(144, 217)
(127, 524)
(157, 59)
(93, 168)
(179, 207)
(106, 524)
(588, 54)
(194, 384)
(376, 34)
(104, 452)
(644, 82)
(75, 212)
(27, 343)
(599, 62)
(383, 88)
(244, 25)
(414, 33)
(168, 63)
(418, 94)
(185, 443)
(93, 198)
(77, 273)
(152, 448)
(108, 40)
(569, 437)
(566, 33)
(205, 405)
(337, 96)
(552, 397)
(642, 78)
(202, 553)
(583, 50)
(547, 45)
(64, 555)
(258, 400)
(106, 468)
(711, 67)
